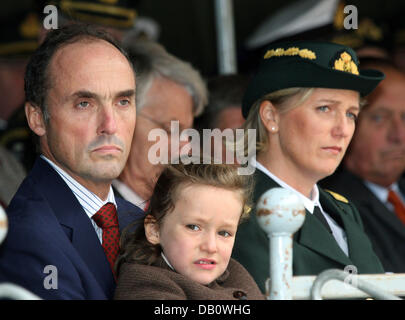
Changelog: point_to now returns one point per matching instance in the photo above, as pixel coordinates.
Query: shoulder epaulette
(338, 196)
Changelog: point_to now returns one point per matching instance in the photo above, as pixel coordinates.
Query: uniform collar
(309, 204)
(382, 192)
(89, 201)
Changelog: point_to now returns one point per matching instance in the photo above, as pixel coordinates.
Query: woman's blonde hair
(284, 100)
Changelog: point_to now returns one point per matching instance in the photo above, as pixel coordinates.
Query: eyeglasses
(162, 125)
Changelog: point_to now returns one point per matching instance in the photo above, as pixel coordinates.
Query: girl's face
(197, 237)
(311, 139)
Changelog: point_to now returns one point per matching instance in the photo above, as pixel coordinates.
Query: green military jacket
(314, 248)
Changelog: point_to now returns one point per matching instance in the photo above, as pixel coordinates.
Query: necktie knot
(393, 198)
(106, 217)
(396, 202)
(318, 213)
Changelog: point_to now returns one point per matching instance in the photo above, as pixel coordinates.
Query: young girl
(183, 250)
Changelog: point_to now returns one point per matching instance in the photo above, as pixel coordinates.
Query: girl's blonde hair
(134, 245)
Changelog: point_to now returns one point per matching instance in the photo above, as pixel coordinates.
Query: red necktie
(106, 218)
(146, 206)
(398, 205)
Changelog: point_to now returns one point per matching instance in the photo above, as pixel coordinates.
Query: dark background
(188, 27)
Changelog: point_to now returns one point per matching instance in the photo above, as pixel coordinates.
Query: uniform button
(239, 295)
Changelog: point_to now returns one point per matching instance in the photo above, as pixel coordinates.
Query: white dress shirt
(90, 202)
(382, 193)
(129, 194)
(309, 204)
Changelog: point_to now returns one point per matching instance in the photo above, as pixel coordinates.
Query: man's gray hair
(151, 60)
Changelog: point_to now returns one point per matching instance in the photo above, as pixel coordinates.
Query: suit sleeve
(31, 257)
(34, 262)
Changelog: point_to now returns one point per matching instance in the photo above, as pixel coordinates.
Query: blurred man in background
(20, 25)
(168, 90)
(372, 171)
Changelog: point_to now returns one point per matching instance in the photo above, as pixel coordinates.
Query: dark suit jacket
(157, 282)
(48, 226)
(314, 248)
(384, 228)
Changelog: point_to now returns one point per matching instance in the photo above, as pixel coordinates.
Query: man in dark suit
(80, 102)
(372, 168)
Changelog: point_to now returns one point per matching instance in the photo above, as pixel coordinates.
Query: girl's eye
(352, 116)
(224, 233)
(193, 227)
(83, 104)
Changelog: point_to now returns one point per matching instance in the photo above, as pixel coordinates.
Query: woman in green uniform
(303, 103)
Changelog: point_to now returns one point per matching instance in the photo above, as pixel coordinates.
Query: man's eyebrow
(92, 95)
(84, 94)
(126, 93)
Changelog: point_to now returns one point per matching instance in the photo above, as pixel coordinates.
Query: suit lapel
(356, 238)
(401, 185)
(72, 217)
(312, 234)
(128, 213)
(368, 202)
(379, 210)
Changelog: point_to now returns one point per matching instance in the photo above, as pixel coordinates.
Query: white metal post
(280, 213)
(3, 224)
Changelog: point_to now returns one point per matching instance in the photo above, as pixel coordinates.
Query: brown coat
(157, 282)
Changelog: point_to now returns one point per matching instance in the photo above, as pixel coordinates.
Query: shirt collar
(129, 194)
(382, 192)
(167, 261)
(90, 202)
(309, 204)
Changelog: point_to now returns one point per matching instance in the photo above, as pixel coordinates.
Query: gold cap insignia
(338, 197)
(293, 51)
(345, 63)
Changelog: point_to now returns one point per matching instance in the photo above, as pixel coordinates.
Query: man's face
(165, 101)
(230, 118)
(377, 152)
(91, 102)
